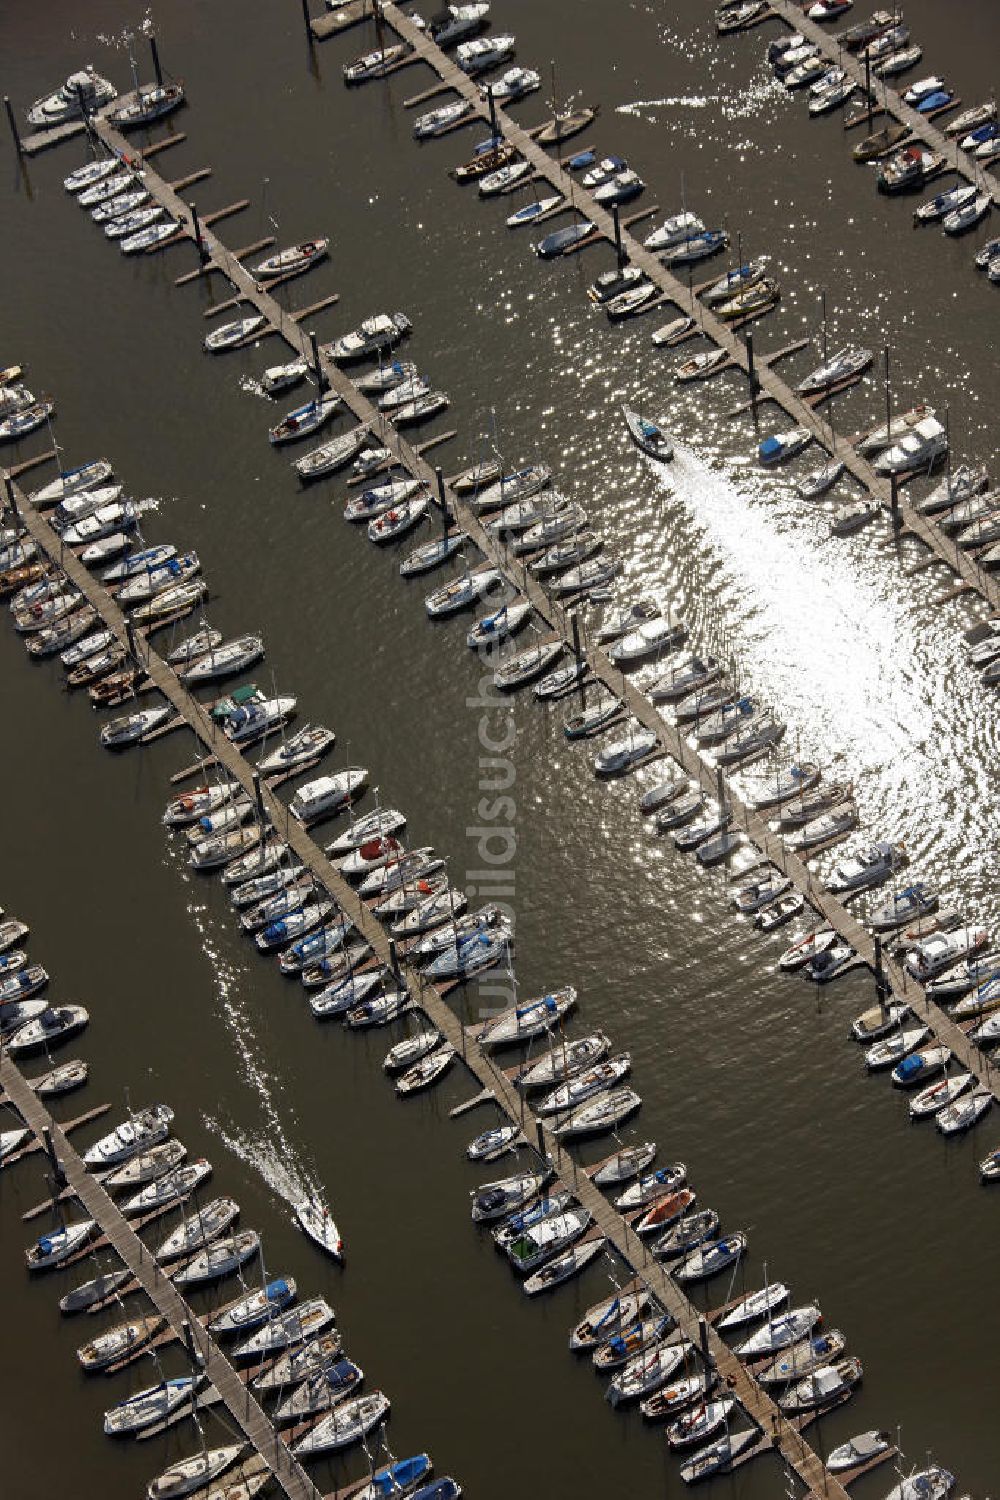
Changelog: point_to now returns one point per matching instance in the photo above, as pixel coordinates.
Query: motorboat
(908, 169)
(870, 867)
(505, 179)
(482, 53)
(145, 1128)
(253, 721)
(676, 230)
(917, 1067)
(49, 1028)
(858, 1451)
(515, 83)
(377, 333)
(292, 261)
(439, 121)
(931, 955)
(83, 94)
(782, 446)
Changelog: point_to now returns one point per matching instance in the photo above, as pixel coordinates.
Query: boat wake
(639, 107)
(267, 1149)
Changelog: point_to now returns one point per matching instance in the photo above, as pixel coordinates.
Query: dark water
(745, 1075)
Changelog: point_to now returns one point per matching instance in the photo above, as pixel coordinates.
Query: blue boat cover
(770, 447)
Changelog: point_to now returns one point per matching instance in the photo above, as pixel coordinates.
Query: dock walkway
(243, 1408)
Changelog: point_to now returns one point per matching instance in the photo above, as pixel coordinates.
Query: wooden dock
(244, 1410)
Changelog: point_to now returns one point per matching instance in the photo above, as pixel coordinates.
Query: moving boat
(648, 435)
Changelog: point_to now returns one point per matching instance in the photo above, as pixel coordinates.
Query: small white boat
(426, 1071)
(622, 754)
(780, 1332)
(305, 419)
(316, 1221)
(231, 334)
(149, 1406)
(219, 1259)
(199, 1231)
(59, 1244)
(857, 1451)
(325, 796)
(605, 1112)
(194, 1473)
(150, 238)
(853, 517)
(932, 1483)
(346, 1424)
(145, 1128)
(755, 1305)
(964, 1112)
(937, 1096)
(293, 261)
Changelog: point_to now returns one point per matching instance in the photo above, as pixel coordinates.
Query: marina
(558, 631)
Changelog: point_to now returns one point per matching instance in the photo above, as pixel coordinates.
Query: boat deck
(243, 1408)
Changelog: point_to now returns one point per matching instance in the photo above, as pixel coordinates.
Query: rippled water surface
(746, 1075)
